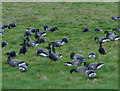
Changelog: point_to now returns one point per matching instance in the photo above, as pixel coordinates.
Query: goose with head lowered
(31, 29)
(31, 42)
(98, 29)
(2, 26)
(4, 43)
(116, 29)
(41, 40)
(23, 49)
(58, 43)
(93, 66)
(91, 55)
(12, 53)
(41, 52)
(13, 24)
(52, 54)
(42, 33)
(90, 74)
(76, 56)
(115, 18)
(101, 39)
(101, 50)
(86, 29)
(48, 28)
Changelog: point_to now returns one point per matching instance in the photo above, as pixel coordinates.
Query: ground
(70, 18)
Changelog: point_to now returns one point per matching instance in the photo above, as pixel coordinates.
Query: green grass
(70, 18)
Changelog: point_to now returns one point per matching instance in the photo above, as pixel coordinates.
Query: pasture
(70, 18)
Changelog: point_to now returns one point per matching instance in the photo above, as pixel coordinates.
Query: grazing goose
(22, 66)
(23, 49)
(116, 29)
(13, 24)
(93, 66)
(12, 62)
(27, 33)
(109, 33)
(101, 49)
(86, 29)
(98, 29)
(79, 70)
(52, 29)
(31, 29)
(2, 31)
(90, 74)
(91, 55)
(52, 55)
(12, 53)
(76, 62)
(31, 42)
(115, 18)
(101, 39)
(42, 33)
(2, 26)
(41, 52)
(58, 43)
(76, 56)
(4, 43)
(41, 40)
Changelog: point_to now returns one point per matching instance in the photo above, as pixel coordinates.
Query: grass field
(70, 18)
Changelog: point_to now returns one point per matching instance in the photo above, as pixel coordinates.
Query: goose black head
(106, 32)
(65, 39)
(72, 55)
(85, 64)
(56, 28)
(37, 30)
(48, 47)
(51, 43)
(46, 26)
(95, 38)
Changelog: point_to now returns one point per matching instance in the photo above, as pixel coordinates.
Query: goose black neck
(8, 59)
(73, 70)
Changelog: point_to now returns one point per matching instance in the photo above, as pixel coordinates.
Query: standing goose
(52, 29)
(90, 74)
(76, 56)
(31, 42)
(41, 52)
(101, 49)
(79, 70)
(101, 39)
(2, 31)
(13, 24)
(76, 62)
(4, 43)
(91, 55)
(12, 53)
(2, 26)
(93, 66)
(98, 29)
(23, 49)
(12, 62)
(115, 18)
(86, 29)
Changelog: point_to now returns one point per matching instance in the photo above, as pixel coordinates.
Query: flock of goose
(77, 59)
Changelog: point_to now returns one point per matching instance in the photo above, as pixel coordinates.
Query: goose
(31, 42)
(116, 29)
(101, 49)
(101, 39)
(91, 55)
(93, 66)
(4, 43)
(41, 40)
(79, 70)
(12, 62)
(22, 66)
(76, 56)
(31, 29)
(52, 29)
(42, 33)
(98, 29)
(2, 31)
(53, 55)
(115, 18)
(90, 74)
(58, 43)
(27, 33)
(86, 29)
(76, 62)
(41, 52)
(109, 33)
(12, 53)
(2, 26)
(23, 49)
(13, 24)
